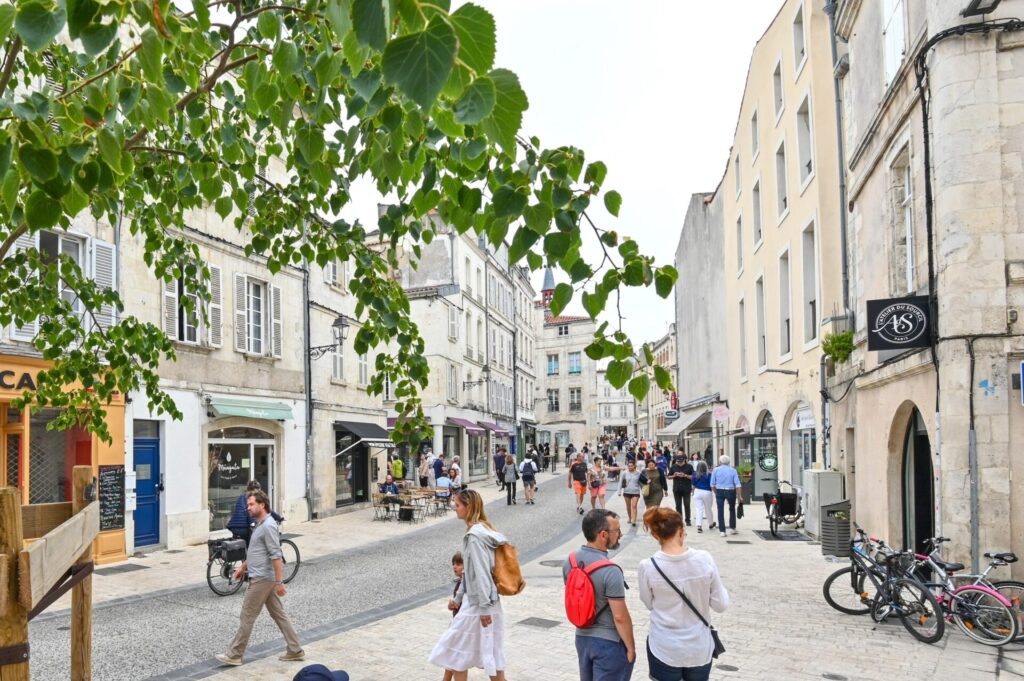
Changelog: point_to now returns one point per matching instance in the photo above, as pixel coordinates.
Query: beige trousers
(261, 593)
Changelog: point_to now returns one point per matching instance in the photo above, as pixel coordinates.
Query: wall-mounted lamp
(339, 331)
(485, 375)
(976, 7)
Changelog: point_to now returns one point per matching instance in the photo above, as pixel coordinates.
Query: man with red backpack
(595, 602)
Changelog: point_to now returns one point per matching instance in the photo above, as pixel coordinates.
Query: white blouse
(677, 637)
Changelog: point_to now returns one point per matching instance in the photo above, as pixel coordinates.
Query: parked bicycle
(782, 507)
(876, 582)
(978, 608)
(227, 555)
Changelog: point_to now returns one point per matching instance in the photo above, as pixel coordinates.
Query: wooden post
(81, 593)
(13, 617)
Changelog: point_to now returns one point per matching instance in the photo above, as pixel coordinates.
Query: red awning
(465, 423)
(498, 430)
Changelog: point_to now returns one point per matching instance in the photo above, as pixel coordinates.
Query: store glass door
(766, 464)
(232, 464)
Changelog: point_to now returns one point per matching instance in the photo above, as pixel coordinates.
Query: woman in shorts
(597, 481)
(630, 486)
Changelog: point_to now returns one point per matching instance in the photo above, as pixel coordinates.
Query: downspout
(826, 425)
(307, 377)
(515, 368)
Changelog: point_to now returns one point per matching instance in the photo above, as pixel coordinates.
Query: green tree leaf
(41, 163)
(664, 279)
(662, 377)
(613, 202)
(639, 386)
(510, 102)
(80, 14)
(370, 24)
(476, 30)
(41, 211)
(594, 304)
(419, 63)
(522, 242)
(508, 203)
(6, 20)
(618, 372)
(476, 103)
(267, 24)
(97, 37)
(339, 13)
(151, 56)
(38, 24)
(309, 140)
(559, 301)
(538, 217)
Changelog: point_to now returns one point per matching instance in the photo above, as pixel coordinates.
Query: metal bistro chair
(381, 511)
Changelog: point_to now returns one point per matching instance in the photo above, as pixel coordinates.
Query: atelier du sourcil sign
(899, 323)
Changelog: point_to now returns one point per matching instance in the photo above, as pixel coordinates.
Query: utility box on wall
(821, 488)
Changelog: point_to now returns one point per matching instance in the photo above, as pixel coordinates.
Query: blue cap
(318, 672)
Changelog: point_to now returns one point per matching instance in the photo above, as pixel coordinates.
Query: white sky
(650, 87)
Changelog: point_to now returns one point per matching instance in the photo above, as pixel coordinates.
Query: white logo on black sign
(901, 323)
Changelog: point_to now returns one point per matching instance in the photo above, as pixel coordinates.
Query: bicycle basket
(900, 563)
(787, 503)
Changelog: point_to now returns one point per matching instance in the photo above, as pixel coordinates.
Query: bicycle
(227, 555)
(878, 585)
(981, 611)
(782, 507)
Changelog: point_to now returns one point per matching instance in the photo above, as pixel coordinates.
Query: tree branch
(106, 72)
(11, 238)
(12, 55)
(287, 8)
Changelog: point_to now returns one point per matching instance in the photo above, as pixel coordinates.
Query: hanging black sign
(899, 323)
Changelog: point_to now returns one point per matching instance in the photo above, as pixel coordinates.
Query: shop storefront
(802, 443)
(359, 450)
(500, 436)
(758, 453)
(39, 461)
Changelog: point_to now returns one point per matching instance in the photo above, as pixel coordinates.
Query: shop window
(52, 456)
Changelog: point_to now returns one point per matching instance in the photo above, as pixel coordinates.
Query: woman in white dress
(476, 637)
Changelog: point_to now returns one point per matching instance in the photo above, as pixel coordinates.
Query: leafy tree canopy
(142, 111)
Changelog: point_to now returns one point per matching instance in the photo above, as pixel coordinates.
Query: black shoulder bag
(719, 648)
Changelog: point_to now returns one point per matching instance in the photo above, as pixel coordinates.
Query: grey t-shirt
(631, 482)
(264, 547)
(609, 582)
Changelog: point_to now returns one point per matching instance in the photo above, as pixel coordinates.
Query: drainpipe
(307, 378)
(826, 450)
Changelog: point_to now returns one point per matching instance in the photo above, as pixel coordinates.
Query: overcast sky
(652, 88)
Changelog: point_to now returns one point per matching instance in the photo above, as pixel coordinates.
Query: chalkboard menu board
(111, 497)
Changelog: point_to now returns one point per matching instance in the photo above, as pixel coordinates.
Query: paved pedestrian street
(376, 611)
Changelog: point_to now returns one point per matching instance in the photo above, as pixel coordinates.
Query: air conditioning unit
(821, 488)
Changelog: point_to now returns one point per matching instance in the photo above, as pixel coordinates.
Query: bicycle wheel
(773, 521)
(290, 559)
(1014, 592)
(849, 591)
(983, 616)
(918, 610)
(220, 575)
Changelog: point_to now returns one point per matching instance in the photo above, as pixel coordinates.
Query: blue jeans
(721, 496)
(662, 672)
(602, 660)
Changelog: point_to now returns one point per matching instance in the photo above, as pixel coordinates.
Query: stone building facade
(616, 408)
(928, 441)
(780, 206)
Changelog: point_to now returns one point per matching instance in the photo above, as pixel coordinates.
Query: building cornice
(846, 17)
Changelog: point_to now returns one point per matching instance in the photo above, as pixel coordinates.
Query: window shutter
(240, 315)
(276, 326)
(215, 312)
(343, 276)
(170, 311)
(103, 264)
(339, 364)
(28, 331)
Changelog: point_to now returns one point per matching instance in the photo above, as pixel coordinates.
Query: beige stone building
(566, 394)
(780, 207)
(659, 401)
(616, 408)
(930, 443)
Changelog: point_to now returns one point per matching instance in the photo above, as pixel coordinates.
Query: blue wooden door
(147, 491)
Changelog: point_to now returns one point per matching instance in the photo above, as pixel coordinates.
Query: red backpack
(579, 592)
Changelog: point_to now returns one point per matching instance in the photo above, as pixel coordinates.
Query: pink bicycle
(979, 608)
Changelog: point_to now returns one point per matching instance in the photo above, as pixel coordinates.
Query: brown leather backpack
(508, 576)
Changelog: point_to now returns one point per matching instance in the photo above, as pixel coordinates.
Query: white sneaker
(721, 534)
(732, 531)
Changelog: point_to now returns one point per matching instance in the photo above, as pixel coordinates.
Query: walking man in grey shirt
(266, 572)
(606, 649)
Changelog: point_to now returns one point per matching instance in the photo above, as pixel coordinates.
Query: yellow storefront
(39, 461)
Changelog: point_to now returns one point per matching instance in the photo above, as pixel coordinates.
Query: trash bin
(835, 529)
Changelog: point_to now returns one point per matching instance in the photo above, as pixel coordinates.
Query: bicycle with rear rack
(876, 582)
(227, 555)
(977, 606)
(782, 507)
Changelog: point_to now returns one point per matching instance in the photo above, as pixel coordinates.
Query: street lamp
(485, 375)
(339, 331)
(976, 7)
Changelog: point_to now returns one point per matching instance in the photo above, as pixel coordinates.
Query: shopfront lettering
(24, 382)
